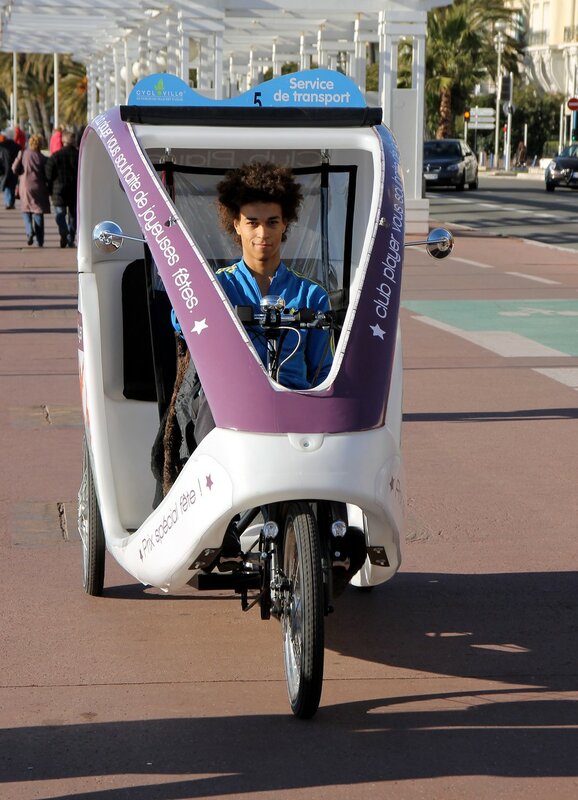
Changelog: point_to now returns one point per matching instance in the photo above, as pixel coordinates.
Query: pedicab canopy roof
(321, 97)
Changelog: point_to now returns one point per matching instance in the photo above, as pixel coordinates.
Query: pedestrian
(8, 180)
(521, 155)
(55, 140)
(61, 174)
(20, 137)
(30, 165)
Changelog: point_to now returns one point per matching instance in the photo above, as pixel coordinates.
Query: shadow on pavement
(511, 628)
(493, 416)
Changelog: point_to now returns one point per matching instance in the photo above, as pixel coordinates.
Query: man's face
(261, 228)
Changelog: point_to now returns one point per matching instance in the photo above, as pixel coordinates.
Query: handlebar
(274, 318)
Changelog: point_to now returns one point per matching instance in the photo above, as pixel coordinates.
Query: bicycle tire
(303, 610)
(90, 530)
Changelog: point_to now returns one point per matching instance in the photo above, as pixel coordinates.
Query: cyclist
(257, 204)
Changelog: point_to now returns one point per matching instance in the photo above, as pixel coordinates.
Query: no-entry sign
(573, 104)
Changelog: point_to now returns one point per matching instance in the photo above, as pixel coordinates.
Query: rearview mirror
(108, 236)
(439, 243)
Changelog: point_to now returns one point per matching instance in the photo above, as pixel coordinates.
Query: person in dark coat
(30, 165)
(61, 174)
(8, 180)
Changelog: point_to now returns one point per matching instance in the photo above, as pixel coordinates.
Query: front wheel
(550, 186)
(302, 617)
(90, 530)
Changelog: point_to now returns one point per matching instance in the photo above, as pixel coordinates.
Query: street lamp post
(499, 41)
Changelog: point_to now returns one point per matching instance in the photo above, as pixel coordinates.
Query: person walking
(61, 174)
(8, 180)
(20, 137)
(55, 140)
(30, 165)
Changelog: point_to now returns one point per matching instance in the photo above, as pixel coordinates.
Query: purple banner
(239, 391)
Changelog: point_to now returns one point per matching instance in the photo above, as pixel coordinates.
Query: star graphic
(209, 482)
(377, 331)
(199, 326)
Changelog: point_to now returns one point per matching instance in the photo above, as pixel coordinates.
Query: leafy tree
(540, 111)
(35, 86)
(286, 68)
(460, 51)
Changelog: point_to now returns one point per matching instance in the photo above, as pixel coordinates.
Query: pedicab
(310, 481)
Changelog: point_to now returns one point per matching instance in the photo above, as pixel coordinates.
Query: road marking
(473, 263)
(565, 375)
(504, 343)
(538, 312)
(532, 278)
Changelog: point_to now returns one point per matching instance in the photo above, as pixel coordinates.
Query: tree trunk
(445, 127)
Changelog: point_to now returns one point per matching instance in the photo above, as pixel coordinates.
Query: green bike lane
(552, 324)
(530, 313)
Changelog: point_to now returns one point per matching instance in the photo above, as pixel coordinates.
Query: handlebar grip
(305, 315)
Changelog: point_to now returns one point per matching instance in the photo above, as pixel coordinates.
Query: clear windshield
(317, 244)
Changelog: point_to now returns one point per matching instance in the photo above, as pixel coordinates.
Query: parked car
(563, 169)
(449, 162)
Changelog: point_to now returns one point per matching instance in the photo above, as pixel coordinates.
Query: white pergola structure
(230, 44)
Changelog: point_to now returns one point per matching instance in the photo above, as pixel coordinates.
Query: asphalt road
(458, 680)
(505, 206)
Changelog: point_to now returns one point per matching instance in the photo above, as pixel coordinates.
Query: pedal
(230, 563)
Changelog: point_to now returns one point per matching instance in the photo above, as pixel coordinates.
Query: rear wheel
(302, 617)
(91, 530)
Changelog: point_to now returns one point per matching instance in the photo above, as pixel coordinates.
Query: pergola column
(116, 65)
(171, 48)
(183, 50)
(403, 110)
(321, 52)
(56, 120)
(275, 62)
(205, 65)
(218, 65)
(357, 62)
(142, 56)
(127, 70)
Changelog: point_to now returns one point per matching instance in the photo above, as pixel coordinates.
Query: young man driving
(257, 204)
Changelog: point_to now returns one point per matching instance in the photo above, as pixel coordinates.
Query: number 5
(256, 101)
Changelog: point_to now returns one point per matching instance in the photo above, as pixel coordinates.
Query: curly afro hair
(258, 183)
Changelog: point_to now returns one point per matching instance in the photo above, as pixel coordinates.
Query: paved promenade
(456, 681)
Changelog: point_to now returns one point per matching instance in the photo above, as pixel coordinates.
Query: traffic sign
(477, 111)
(573, 104)
(486, 125)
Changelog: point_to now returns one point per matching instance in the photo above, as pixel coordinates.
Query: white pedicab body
(152, 169)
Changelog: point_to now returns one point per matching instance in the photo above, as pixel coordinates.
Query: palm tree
(35, 84)
(460, 52)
